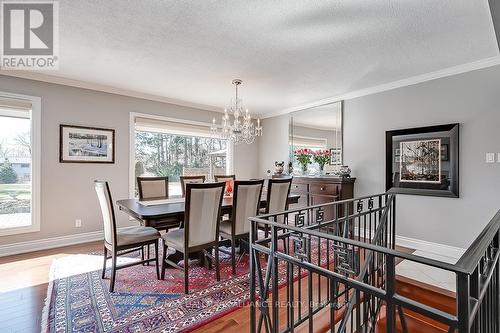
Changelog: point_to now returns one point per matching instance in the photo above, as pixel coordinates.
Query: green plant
(7, 173)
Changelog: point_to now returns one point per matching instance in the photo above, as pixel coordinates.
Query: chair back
(246, 202)
(202, 215)
(190, 180)
(278, 190)
(152, 187)
(224, 178)
(107, 210)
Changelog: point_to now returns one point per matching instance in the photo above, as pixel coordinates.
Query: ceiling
(287, 52)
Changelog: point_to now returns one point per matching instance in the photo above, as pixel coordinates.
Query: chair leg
(163, 263)
(142, 255)
(104, 263)
(217, 266)
(186, 273)
(148, 256)
(157, 261)
(113, 272)
(233, 254)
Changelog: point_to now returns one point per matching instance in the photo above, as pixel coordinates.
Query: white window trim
(133, 115)
(36, 148)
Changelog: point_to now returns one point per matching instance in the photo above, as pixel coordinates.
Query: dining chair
(190, 180)
(224, 178)
(123, 241)
(278, 191)
(201, 227)
(152, 187)
(246, 202)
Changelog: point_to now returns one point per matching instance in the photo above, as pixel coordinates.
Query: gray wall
(273, 145)
(67, 189)
(471, 99)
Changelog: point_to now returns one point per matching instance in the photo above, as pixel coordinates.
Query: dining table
(163, 214)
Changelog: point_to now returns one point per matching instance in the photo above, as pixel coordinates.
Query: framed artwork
(80, 144)
(336, 156)
(423, 161)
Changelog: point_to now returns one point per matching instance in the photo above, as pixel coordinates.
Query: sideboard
(316, 190)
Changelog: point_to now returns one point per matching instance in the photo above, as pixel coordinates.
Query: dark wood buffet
(316, 190)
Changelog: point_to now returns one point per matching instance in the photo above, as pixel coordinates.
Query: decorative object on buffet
(343, 172)
(423, 161)
(303, 156)
(322, 157)
(242, 129)
(279, 167)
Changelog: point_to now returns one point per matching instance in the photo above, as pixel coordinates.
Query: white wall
(67, 189)
(471, 99)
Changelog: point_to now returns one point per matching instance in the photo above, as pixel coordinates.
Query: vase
(304, 169)
(321, 170)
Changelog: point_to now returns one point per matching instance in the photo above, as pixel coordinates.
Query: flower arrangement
(303, 156)
(322, 157)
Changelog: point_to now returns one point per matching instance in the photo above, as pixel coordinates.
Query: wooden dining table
(168, 214)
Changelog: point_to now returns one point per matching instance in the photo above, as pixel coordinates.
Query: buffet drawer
(328, 189)
(299, 188)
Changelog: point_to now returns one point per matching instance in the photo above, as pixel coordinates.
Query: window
(19, 151)
(172, 148)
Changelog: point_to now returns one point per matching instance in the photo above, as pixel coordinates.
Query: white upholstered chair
(201, 227)
(246, 202)
(190, 180)
(127, 240)
(152, 187)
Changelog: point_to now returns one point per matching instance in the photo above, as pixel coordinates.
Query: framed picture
(80, 144)
(423, 161)
(336, 156)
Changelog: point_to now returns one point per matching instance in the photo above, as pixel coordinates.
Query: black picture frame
(444, 185)
(64, 156)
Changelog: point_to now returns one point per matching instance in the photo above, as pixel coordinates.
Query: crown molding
(36, 76)
(460, 69)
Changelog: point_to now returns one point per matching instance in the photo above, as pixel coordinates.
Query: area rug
(78, 299)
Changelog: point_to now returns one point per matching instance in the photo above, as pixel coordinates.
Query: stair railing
(333, 267)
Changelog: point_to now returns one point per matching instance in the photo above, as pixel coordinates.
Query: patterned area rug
(78, 299)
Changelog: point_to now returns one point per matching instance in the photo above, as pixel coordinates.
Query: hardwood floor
(23, 288)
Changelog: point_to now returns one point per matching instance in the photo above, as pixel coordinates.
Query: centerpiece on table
(322, 157)
(304, 156)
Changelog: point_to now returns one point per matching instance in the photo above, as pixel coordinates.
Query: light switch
(490, 157)
(498, 159)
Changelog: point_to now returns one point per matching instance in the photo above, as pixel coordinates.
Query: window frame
(134, 115)
(36, 147)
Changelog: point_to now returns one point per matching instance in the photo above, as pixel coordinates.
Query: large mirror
(316, 140)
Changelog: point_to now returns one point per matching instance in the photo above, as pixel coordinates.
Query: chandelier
(242, 128)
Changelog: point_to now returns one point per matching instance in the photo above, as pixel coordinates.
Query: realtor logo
(30, 35)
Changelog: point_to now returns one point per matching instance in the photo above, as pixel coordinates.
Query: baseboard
(436, 248)
(50, 243)
(422, 245)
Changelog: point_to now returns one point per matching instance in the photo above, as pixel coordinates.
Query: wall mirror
(315, 140)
